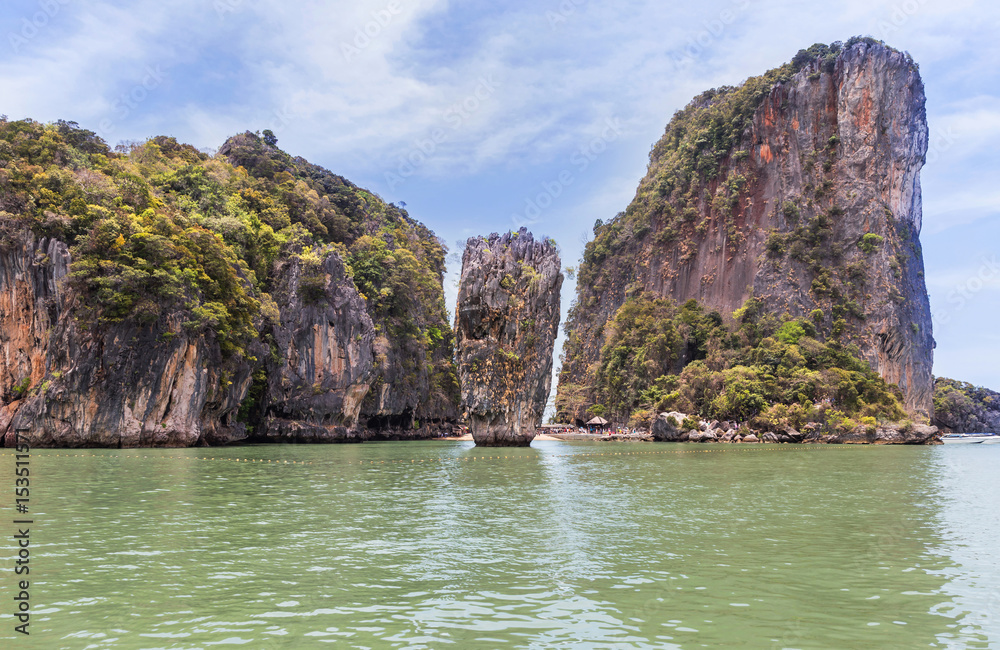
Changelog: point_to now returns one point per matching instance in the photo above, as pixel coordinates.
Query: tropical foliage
(160, 229)
(751, 367)
(964, 408)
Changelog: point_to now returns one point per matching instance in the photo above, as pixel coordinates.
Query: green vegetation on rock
(163, 233)
(755, 368)
(961, 407)
(747, 194)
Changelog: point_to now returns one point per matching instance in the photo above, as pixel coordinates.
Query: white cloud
(365, 80)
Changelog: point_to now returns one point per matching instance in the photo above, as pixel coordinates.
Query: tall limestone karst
(506, 321)
(799, 188)
(154, 295)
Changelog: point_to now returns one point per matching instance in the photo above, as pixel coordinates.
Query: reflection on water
(558, 545)
(970, 536)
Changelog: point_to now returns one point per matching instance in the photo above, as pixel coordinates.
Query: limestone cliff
(397, 265)
(322, 364)
(960, 407)
(74, 383)
(800, 188)
(506, 322)
(158, 296)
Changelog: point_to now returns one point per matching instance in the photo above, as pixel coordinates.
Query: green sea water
(561, 545)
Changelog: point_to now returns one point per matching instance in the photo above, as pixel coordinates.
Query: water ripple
(557, 546)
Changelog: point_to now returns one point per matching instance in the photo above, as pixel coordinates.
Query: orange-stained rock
(844, 139)
(113, 385)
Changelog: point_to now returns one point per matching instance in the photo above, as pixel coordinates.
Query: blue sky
(471, 112)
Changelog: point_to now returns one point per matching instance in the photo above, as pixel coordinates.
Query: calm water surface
(563, 545)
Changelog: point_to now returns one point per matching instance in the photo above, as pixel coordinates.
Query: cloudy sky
(471, 111)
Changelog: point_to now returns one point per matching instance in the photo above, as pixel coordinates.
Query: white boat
(970, 439)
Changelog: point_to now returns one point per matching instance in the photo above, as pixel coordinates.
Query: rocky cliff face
(506, 321)
(125, 385)
(323, 360)
(960, 407)
(30, 274)
(398, 266)
(75, 384)
(800, 188)
(162, 297)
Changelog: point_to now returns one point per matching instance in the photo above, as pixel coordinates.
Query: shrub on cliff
(755, 368)
(870, 242)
